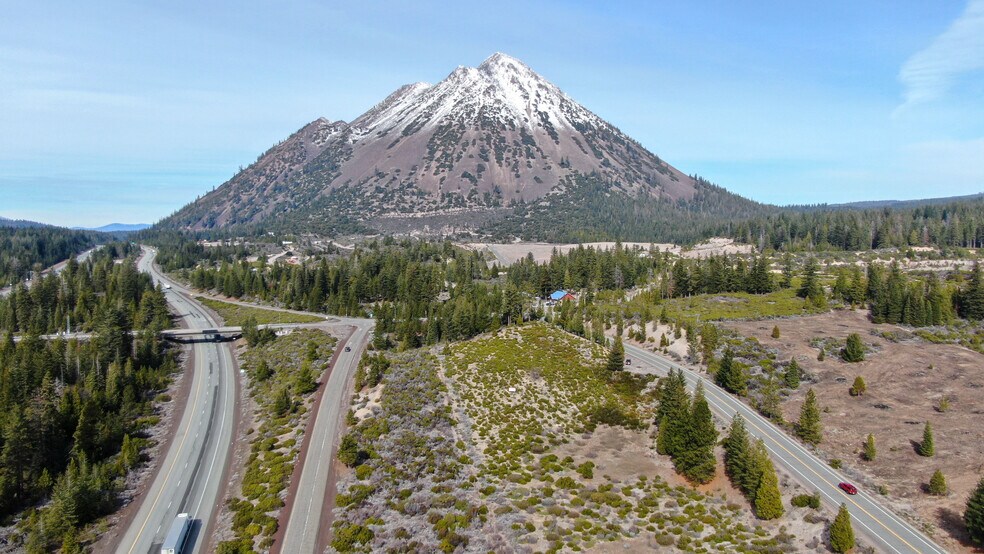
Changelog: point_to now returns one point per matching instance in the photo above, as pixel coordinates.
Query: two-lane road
(190, 478)
(882, 528)
(305, 525)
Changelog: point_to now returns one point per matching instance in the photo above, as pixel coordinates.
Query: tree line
(86, 296)
(73, 414)
(591, 212)
(23, 250)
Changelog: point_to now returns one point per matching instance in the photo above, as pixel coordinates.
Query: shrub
(611, 414)
(807, 501)
(869, 448)
(853, 351)
(566, 482)
(349, 452)
(348, 535)
(859, 387)
(937, 484)
(363, 472)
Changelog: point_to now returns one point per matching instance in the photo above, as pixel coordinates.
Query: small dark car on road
(848, 488)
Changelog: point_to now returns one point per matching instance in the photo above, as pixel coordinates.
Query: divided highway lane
(304, 525)
(885, 530)
(190, 478)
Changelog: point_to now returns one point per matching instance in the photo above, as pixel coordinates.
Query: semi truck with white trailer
(177, 535)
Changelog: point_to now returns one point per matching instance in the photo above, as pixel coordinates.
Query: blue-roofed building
(561, 295)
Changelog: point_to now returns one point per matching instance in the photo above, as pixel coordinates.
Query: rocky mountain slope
(480, 145)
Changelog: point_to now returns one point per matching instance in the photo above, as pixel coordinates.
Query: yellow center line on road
(170, 469)
(713, 393)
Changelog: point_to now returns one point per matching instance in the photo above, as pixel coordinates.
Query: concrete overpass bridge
(208, 334)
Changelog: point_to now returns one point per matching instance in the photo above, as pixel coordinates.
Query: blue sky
(125, 111)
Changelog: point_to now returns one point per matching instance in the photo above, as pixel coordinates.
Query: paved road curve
(304, 525)
(190, 476)
(882, 528)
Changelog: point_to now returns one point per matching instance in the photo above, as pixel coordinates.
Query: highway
(882, 528)
(307, 508)
(190, 478)
(305, 523)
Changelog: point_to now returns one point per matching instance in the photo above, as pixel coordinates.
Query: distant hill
(116, 228)
(895, 204)
(20, 223)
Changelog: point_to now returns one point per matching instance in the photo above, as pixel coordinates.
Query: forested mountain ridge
(20, 223)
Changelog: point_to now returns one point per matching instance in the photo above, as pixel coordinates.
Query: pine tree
(792, 375)
(709, 340)
(810, 288)
(974, 514)
(841, 531)
(129, 452)
(768, 500)
(282, 402)
(822, 355)
(736, 450)
(616, 356)
(305, 380)
(787, 270)
(731, 375)
(926, 447)
(262, 371)
(937, 484)
(972, 297)
(696, 462)
(869, 448)
(672, 412)
(770, 403)
(758, 461)
(809, 428)
(854, 350)
(775, 332)
(859, 387)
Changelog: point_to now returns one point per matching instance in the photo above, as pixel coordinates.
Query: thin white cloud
(929, 73)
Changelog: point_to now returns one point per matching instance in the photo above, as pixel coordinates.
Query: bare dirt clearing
(506, 254)
(905, 382)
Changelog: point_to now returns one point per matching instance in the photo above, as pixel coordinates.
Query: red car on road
(848, 488)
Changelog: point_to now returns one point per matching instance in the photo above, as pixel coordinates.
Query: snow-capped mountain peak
(483, 137)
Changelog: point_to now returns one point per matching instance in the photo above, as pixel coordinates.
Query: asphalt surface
(304, 525)
(876, 524)
(190, 476)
